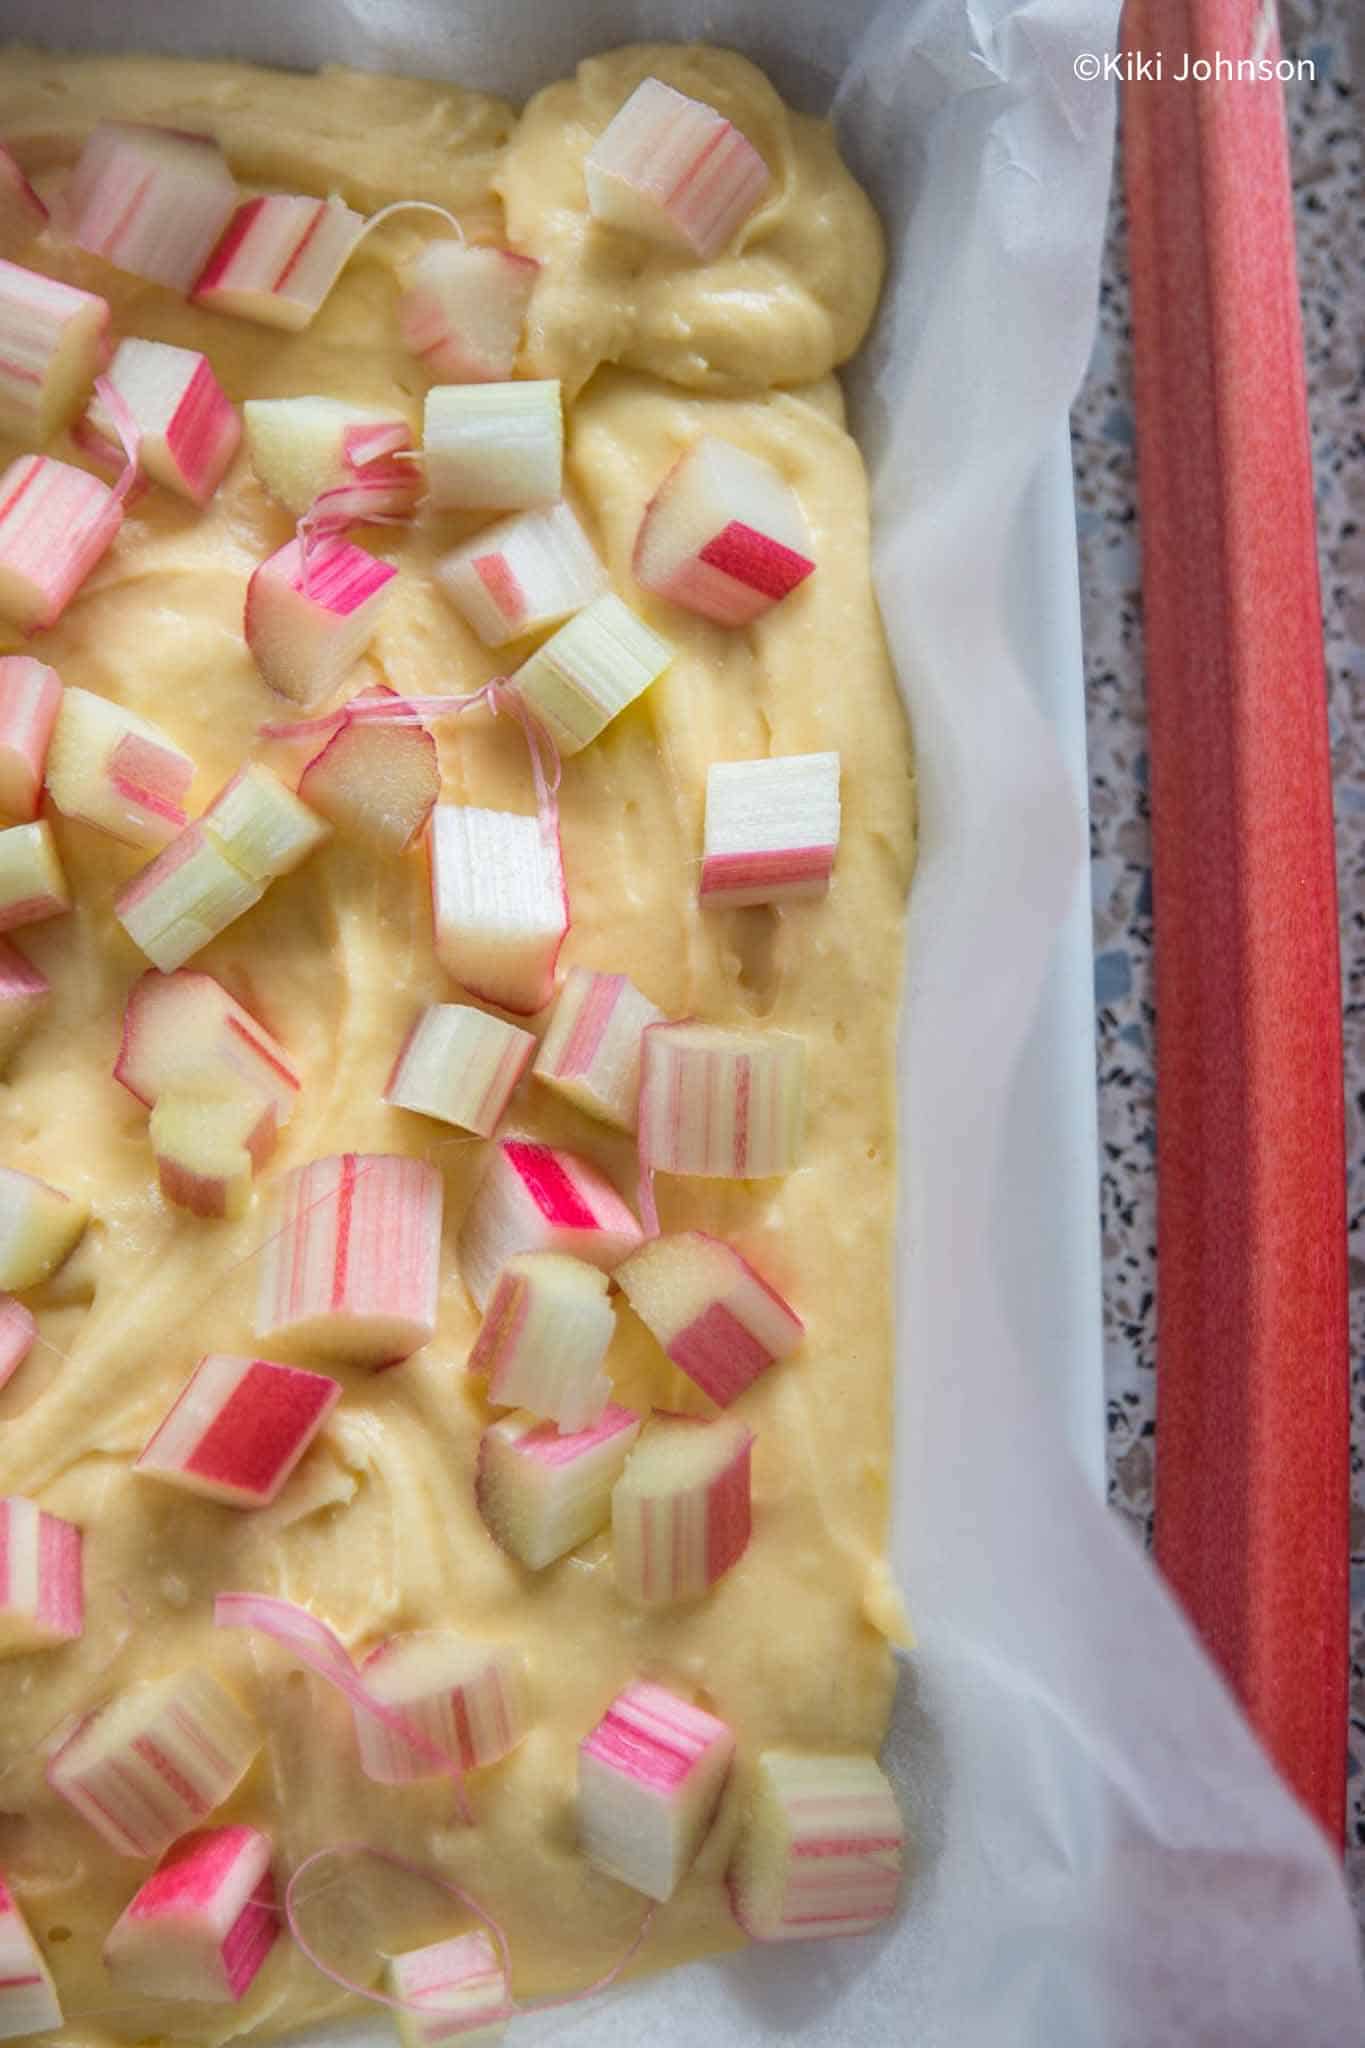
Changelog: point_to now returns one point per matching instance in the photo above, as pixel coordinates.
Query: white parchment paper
(1103, 1857)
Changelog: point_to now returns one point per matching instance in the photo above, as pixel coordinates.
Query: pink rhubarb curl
(128, 431)
(313, 1644)
(471, 1905)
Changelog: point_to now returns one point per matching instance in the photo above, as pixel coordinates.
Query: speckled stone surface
(1327, 126)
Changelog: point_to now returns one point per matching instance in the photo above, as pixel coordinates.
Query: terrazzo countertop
(1326, 120)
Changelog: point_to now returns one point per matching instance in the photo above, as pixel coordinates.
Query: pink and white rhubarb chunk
(56, 523)
(18, 1335)
(377, 783)
(112, 769)
(589, 671)
(28, 1997)
(185, 1033)
(238, 1429)
(188, 895)
(674, 170)
(821, 1848)
(461, 1988)
(350, 1269)
(52, 339)
(494, 447)
(723, 535)
(717, 1319)
(32, 885)
(772, 829)
(155, 1761)
(650, 1777)
(39, 1228)
(725, 1104)
(461, 1065)
(467, 1700)
(261, 826)
(188, 426)
(535, 1198)
(278, 258)
(680, 1512)
(523, 574)
(542, 1493)
(545, 1334)
(311, 612)
(151, 201)
(499, 903)
(42, 1596)
(30, 698)
(202, 1924)
(302, 447)
(209, 1148)
(591, 1052)
(23, 991)
(22, 213)
(463, 308)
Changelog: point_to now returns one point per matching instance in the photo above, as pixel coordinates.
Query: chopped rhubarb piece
(463, 308)
(209, 1148)
(32, 885)
(680, 1512)
(202, 1924)
(460, 1065)
(311, 613)
(18, 1335)
(278, 258)
(533, 1198)
(155, 1761)
(51, 341)
(188, 426)
(262, 827)
(238, 1429)
(42, 1597)
(22, 216)
(772, 829)
(650, 1777)
(821, 1848)
(545, 1333)
(723, 535)
(461, 1987)
(591, 1051)
(378, 783)
(674, 170)
(56, 523)
(110, 768)
(499, 903)
(467, 1699)
(350, 1269)
(728, 1104)
(718, 1320)
(494, 447)
(39, 1228)
(151, 201)
(525, 573)
(589, 671)
(184, 1032)
(541, 1493)
(301, 447)
(28, 1997)
(23, 991)
(188, 895)
(30, 698)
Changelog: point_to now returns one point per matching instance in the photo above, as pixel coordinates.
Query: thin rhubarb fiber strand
(128, 431)
(424, 2008)
(645, 1200)
(497, 696)
(314, 1644)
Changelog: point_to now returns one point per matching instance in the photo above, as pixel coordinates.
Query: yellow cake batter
(378, 1531)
